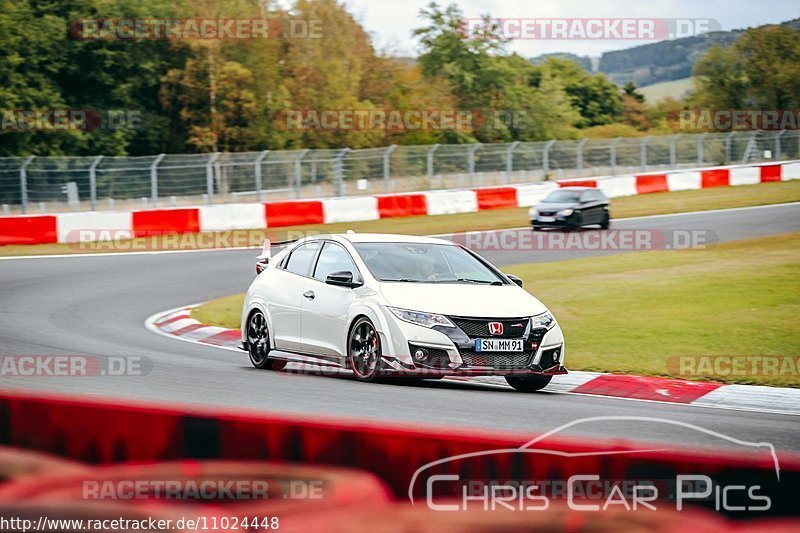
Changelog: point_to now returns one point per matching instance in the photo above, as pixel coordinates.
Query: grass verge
(629, 206)
(637, 313)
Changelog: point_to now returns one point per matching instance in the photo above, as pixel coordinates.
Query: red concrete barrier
(496, 198)
(165, 221)
(578, 183)
(651, 183)
(402, 205)
(770, 173)
(719, 177)
(281, 214)
(28, 230)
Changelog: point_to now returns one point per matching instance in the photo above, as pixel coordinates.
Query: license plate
(547, 219)
(498, 345)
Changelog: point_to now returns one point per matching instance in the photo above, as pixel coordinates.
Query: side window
(598, 196)
(334, 258)
(302, 257)
(587, 196)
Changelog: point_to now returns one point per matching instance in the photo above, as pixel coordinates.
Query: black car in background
(571, 208)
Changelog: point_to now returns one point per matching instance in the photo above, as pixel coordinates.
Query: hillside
(653, 63)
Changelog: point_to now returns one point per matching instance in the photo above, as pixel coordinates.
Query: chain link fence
(52, 184)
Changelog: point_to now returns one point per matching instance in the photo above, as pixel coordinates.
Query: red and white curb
(179, 324)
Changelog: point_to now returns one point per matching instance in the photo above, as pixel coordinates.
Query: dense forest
(224, 94)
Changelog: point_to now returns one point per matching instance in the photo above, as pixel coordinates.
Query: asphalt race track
(98, 305)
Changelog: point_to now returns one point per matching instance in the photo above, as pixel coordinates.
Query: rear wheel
(528, 383)
(258, 343)
(364, 350)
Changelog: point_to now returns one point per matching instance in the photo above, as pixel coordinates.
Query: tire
(606, 223)
(258, 347)
(528, 383)
(578, 220)
(364, 349)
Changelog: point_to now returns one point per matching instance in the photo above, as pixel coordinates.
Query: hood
(554, 206)
(463, 299)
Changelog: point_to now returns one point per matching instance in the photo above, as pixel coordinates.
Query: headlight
(545, 320)
(565, 212)
(532, 212)
(421, 319)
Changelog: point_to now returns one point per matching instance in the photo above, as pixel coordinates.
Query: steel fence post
(93, 182)
(579, 156)
(510, 158)
(339, 171)
(298, 172)
(778, 144)
(154, 178)
(613, 155)
(471, 162)
(429, 158)
(701, 157)
(23, 183)
(387, 166)
(257, 173)
(728, 155)
(673, 148)
(210, 176)
(546, 157)
(643, 152)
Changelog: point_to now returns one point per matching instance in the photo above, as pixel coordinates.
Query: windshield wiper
(480, 281)
(404, 280)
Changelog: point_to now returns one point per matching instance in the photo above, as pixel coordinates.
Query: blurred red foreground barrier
(110, 432)
(15, 463)
(248, 488)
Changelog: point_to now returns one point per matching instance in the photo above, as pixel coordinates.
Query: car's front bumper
(451, 351)
(555, 221)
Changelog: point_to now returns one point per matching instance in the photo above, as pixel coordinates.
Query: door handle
(309, 295)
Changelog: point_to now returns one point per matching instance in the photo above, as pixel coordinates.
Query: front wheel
(258, 343)
(364, 350)
(606, 222)
(528, 383)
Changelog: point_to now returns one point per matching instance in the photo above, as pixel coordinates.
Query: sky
(390, 22)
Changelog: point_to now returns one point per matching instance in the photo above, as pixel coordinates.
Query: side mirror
(343, 278)
(515, 279)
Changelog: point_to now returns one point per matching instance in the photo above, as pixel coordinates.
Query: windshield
(424, 263)
(561, 196)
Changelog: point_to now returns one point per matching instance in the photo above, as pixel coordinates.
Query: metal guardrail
(106, 182)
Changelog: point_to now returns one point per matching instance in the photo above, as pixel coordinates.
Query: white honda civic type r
(386, 305)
